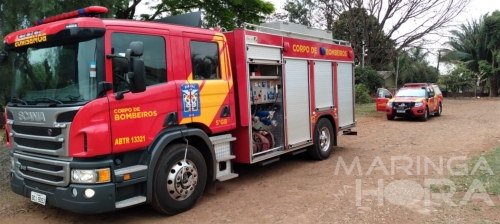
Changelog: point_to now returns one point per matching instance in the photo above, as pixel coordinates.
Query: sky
(475, 9)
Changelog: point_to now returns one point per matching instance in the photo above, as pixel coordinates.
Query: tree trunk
(494, 86)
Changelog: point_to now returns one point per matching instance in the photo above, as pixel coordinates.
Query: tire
(426, 115)
(440, 110)
(390, 117)
(164, 188)
(324, 138)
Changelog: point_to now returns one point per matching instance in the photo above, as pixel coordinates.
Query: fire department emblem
(190, 100)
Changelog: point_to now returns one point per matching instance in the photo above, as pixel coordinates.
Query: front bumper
(51, 178)
(408, 112)
(62, 197)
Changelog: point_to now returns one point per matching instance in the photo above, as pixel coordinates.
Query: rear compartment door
(383, 96)
(345, 86)
(298, 112)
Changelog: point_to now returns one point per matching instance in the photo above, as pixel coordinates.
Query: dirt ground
(297, 190)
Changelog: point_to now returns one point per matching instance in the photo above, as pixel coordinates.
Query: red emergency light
(91, 10)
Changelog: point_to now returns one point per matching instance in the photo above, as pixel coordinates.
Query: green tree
(467, 47)
(379, 48)
(369, 78)
(228, 14)
(491, 32)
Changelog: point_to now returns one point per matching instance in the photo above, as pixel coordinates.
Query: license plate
(400, 111)
(38, 198)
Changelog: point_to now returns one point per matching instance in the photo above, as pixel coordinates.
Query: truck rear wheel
(324, 137)
(178, 184)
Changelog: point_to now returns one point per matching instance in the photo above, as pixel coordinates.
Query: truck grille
(46, 171)
(406, 104)
(40, 140)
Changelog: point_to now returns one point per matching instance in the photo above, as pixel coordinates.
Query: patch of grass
(367, 110)
(479, 168)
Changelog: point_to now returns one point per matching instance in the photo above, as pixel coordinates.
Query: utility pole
(363, 59)
(397, 73)
(439, 58)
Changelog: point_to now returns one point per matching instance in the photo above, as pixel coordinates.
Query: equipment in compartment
(262, 91)
(263, 124)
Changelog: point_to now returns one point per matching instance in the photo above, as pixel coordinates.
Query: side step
(223, 154)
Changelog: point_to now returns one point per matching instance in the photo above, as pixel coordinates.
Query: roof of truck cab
(157, 25)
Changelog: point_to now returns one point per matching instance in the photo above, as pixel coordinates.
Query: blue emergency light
(91, 10)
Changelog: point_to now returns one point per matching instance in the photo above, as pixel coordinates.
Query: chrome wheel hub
(324, 139)
(182, 180)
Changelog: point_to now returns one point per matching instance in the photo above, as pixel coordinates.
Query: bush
(363, 94)
(370, 78)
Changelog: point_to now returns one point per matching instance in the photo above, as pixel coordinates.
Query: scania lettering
(107, 114)
(31, 116)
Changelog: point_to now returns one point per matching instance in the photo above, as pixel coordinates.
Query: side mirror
(137, 70)
(137, 76)
(388, 96)
(4, 58)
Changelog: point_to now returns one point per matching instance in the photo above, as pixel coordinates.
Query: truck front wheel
(324, 137)
(178, 184)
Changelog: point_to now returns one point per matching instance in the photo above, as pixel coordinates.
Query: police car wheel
(425, 117)
(440, 110)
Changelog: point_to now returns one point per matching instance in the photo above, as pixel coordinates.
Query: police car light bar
(91, 10)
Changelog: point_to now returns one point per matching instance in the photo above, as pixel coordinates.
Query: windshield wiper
(49, 99)
(18, 100)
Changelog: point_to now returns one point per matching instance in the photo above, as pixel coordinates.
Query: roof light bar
(91, 10)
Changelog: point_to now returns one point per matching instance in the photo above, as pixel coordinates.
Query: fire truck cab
(107, 114)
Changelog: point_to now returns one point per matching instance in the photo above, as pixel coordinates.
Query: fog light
(89, 193)
(75, 192)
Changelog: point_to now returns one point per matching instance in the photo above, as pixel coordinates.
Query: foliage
(369, 78)
(460, 78)
(363, 94)
(369, 21)
(228, 14)
(413, 67)
(476, 45)
(377, 47)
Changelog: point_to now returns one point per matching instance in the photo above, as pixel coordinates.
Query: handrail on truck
(340, 42)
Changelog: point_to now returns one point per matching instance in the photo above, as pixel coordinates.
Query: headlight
(419, 104)
(91, 176)
(389, 104)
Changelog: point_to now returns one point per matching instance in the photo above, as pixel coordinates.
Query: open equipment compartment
(266, 108)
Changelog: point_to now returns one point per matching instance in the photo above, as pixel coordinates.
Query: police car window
(205, 60)
(438, 91)
(153, 56)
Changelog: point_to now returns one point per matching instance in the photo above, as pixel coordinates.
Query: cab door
(383, 96)
(432, 101)
(136, 118)
(208, 96)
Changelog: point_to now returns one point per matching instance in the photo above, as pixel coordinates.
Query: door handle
(170, 119)
(225, 112)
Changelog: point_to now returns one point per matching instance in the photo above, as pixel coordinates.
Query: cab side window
(205, 60)
(383, 93)
(154, 59)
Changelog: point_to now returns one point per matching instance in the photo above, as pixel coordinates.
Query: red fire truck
(107, 114)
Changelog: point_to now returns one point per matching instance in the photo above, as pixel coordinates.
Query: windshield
(411, 93)
(59, 74)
